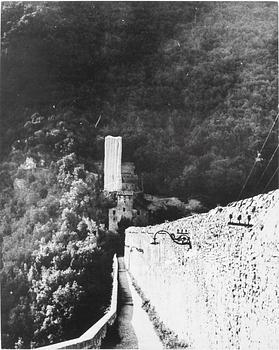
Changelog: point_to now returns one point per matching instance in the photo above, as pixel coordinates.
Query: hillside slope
(191, 87)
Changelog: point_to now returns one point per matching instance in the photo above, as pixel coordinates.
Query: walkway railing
(92, 338)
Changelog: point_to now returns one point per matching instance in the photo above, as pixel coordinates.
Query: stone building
(123, 209)
(128, 204)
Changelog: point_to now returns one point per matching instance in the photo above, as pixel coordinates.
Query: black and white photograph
(139, 175)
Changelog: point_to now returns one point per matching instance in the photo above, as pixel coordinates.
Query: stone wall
(224, 292)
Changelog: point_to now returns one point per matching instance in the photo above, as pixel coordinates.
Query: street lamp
(182, 238)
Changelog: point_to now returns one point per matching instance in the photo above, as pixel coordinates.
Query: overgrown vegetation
(191, 86)
(56, 279)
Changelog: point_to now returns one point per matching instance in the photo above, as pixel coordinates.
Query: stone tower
(120, 178)
(125, 197)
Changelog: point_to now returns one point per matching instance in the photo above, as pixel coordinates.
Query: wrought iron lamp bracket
(182, 238)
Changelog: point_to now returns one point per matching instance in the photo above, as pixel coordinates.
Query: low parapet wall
(224, 292)
(93, 337)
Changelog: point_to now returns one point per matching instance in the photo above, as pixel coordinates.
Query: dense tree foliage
(57, 266)
(190, 86)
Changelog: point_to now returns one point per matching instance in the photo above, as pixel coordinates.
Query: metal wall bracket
(182, 238)
(239, 223)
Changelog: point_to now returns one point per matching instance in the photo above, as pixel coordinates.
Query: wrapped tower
(112, 164)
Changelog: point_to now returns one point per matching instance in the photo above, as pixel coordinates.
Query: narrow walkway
(132, 328)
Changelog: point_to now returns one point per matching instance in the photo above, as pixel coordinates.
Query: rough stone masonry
(224, 292)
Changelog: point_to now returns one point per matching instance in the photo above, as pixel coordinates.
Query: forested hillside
(56, 273)
(190, 86)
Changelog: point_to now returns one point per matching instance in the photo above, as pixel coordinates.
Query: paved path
(132, 329)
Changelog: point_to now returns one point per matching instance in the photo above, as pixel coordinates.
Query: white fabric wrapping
(112, 166)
